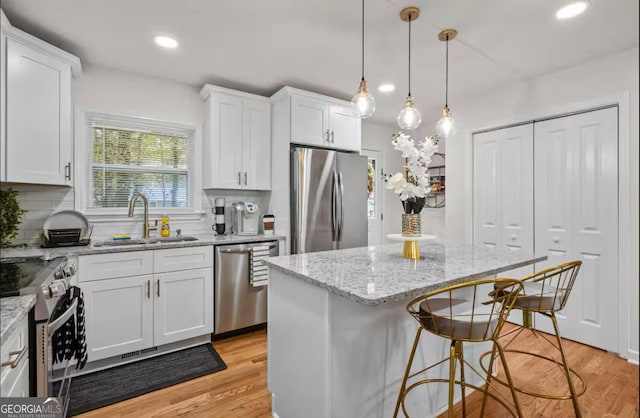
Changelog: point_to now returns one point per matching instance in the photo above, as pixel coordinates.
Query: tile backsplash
(41, 201)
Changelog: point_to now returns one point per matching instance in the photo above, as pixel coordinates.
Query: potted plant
(412, 185)
(10, 216)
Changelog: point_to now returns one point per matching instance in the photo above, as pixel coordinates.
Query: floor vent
(148, 350)
(131, 354)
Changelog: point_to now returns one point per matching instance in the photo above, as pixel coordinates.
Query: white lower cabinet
(14, 355)
(119, 315)
(175, 320)
(128, 314)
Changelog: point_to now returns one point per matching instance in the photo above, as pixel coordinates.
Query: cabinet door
(309, 121)
(183, 306)
(344, 128)
(118, 315)
(38, 119)
(20, 388)
(503, 191)
(224, 161)
(256, 144)
(576, 163)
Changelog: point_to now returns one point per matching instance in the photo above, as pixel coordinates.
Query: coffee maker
(245, 218)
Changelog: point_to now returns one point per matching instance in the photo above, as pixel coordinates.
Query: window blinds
(125, 160)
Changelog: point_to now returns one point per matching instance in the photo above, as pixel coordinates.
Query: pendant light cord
(363, 40)
(446, 80)
(409, 55)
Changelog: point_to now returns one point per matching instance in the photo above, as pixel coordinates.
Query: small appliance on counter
(64, 229)
(246, 218)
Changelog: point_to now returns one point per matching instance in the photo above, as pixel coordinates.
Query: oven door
(57, 321)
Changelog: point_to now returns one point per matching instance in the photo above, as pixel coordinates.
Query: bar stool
(468, 312)
(545, 292)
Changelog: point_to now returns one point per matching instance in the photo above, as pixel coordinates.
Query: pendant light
(409, 117)
(364, 102)
(446, 125)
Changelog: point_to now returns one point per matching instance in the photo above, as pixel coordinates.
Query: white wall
(580, 86)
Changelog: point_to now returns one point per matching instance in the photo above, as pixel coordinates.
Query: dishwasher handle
(245, 250)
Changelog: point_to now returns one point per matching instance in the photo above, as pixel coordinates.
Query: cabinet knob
(556, 239)
(327, 133)
(332, 139)
(245, 178)
(514, 237)
(239, 178)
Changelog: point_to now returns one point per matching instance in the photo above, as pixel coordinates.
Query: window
(128, 155)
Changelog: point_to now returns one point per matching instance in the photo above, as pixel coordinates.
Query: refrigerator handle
(334, 207)
(341, 216)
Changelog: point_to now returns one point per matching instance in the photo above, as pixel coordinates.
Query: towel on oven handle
(69, 341)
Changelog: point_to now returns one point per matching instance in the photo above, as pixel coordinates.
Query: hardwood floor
(241, 389)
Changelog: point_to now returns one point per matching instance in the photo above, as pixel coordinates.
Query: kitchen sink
(143, 241)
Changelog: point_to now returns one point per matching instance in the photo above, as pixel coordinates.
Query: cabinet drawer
(109, 266)
(182, 259)
(17, 342)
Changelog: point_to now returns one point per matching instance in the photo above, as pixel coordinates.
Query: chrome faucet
(145, 202)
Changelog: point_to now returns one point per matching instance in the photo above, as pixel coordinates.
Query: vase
(411, 226)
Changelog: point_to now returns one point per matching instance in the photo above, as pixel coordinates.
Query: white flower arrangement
(413, 185)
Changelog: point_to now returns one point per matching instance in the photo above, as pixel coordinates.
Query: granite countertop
(375, 275)
(12, 311)
(20, 254)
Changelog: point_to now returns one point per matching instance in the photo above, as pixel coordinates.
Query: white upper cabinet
(237, 140)
(317, 120)
(37, 101)
(309, 120)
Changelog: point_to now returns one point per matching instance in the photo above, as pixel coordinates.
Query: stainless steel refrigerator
(328, 200)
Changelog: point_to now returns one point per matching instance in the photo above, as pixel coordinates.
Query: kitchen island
(339, 334)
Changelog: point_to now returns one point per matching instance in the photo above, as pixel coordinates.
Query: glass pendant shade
(409, 117)
(446, 126)
(363, 101)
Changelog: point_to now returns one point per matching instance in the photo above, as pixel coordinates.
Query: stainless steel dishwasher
(240, 300)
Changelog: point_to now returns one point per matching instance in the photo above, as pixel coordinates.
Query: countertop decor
(10, 216)
(412, 185)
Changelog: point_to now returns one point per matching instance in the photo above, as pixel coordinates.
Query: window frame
(82, 174)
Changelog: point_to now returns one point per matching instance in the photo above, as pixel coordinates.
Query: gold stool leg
(462, 382)
(509, 379)
(565, 364)
(406, 372)
(488, 381)
(527, 319)
(452, 375)
(410, 250)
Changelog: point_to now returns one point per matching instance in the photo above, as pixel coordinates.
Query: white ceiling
(260, 45)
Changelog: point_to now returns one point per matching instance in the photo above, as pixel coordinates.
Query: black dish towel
(69, 340)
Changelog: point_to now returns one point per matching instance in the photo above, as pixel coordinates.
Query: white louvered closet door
(503, 191)
(576, 218)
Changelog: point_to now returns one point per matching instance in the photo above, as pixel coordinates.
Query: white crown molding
(207, 89)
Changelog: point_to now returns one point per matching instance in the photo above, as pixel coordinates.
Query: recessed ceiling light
(386, 88)
(572, 10)
(166, 42)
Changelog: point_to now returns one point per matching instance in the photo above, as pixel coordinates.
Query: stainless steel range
(48, 280)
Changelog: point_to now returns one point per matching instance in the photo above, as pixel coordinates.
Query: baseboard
(632, 357)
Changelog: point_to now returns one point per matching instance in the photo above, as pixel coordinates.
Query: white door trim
(380, 188)
(620, 99)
